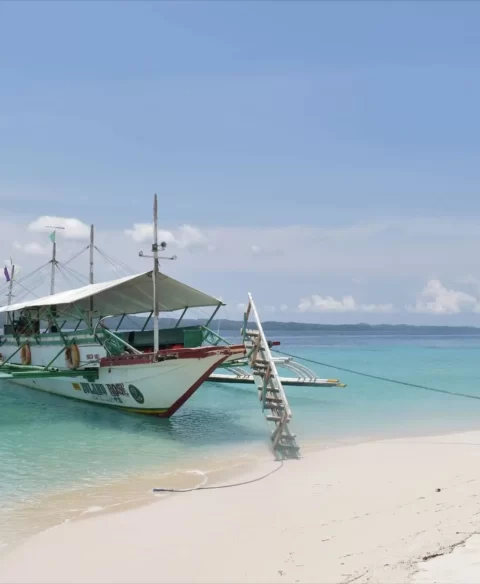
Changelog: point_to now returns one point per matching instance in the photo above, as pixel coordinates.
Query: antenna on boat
(155, 247)
(91, 277)
(53, 261)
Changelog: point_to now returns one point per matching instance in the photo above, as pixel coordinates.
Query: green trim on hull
(28, 372)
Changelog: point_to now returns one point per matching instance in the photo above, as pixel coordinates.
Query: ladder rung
(273, 418)
(279, 406)
(288, 446)
(259, 370)
(287, 436)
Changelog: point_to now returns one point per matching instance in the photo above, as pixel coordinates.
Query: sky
(323, 156)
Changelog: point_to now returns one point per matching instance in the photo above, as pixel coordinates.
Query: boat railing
(113, 344)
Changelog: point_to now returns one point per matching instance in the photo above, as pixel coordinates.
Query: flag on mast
(8, 270)
(52, 236)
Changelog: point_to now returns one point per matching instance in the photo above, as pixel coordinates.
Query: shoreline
(369, 511)
(51, 509)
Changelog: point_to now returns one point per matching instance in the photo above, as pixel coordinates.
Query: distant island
(232, 327)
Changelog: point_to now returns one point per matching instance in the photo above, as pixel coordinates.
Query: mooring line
(212, 487)
(379, 378)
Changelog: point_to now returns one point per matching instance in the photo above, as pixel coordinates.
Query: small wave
(200, 473)
(93, 509)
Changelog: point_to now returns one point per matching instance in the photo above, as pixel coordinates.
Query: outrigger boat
(61, 344)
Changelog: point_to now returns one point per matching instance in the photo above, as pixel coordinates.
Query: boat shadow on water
(21, 407)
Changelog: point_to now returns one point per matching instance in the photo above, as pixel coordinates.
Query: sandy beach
(394, 511)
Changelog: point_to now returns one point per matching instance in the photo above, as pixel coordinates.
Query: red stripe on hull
(195, 353)
(188, 394)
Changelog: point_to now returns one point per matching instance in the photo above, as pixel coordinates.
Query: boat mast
(90, 278)
(53, 261)
(155, 273)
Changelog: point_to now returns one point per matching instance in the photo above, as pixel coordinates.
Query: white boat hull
(152, 389)
(137, 383)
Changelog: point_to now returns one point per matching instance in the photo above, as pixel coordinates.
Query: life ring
(26, 354)
(72, 356)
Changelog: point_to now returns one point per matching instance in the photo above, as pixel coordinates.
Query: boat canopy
(130, 295)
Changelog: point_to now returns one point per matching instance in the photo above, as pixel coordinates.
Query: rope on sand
(160, 490)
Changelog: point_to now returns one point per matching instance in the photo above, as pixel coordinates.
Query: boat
(93, 363)
(62, 344)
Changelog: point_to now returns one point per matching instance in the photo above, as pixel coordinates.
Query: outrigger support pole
(12, 355)
(55, 358)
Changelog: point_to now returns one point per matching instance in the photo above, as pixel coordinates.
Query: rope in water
(379, 378)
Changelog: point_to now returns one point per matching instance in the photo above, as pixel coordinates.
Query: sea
(61, 460)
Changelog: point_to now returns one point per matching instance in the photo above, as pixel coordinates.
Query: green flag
(52, 237)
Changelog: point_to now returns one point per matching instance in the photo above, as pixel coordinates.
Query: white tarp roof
(130, 295)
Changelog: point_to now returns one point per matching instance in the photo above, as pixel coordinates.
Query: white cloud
(33, 248)
(189, 236)
(436, 299)
(316, 303)
(283, 307)
(257, 250)
(185, 237)
(74, 228)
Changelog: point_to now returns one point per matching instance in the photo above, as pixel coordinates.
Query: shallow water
(55, 447)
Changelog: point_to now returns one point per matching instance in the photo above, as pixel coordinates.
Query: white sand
(364, 513)
(461, 565)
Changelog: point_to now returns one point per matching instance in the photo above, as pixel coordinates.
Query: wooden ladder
(270, 390)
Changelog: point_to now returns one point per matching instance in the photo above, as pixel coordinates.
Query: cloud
(256, 250)
(185, 237)
(33, 248)
(316, 303)
(73, 228)
(283, 307)
(436, 299)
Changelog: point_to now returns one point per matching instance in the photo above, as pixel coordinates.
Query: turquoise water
(50, 444)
